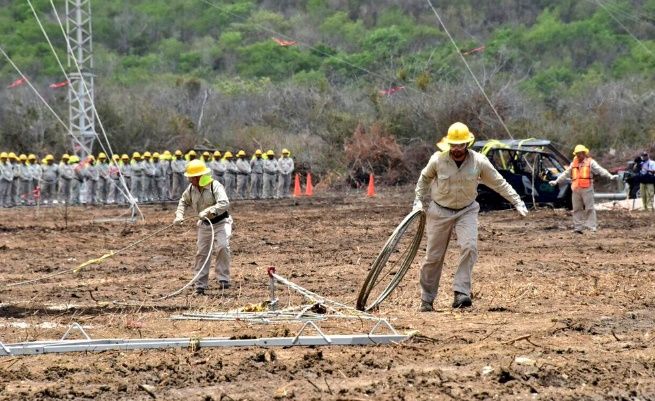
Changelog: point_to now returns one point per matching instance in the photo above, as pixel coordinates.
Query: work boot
(577, 231)
(462, 301)
(224, 285)
(199, 292)
(426, 306)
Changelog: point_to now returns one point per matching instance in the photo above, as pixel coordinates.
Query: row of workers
(150, 177)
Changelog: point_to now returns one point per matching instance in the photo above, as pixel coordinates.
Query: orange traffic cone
(296, 186)
(309, 188)
(371, 186)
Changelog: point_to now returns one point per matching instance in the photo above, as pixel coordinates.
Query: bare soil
(556, 315)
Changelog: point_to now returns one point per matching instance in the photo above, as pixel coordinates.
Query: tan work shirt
(457, 187)
(212, 196)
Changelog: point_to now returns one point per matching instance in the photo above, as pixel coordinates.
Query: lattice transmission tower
(81, 106)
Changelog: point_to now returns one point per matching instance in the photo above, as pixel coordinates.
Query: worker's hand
(418, 205)
(552, 183)
(205, 213)
(178, 220)
(614, 177)
(523, 211)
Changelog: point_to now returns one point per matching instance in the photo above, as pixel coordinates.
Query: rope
(502, 122)
(92, 261)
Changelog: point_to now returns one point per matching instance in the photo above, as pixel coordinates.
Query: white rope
(468, 67)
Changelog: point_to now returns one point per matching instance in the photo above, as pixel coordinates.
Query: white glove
(523, 211)
(178, 220)
(418, 205)
(552, 183)
(614, 177)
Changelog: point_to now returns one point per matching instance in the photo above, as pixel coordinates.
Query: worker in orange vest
(581, 172)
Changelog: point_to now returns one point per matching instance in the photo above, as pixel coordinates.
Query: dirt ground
(556, 315)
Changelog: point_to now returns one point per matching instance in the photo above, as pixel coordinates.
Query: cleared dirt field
(556, 315)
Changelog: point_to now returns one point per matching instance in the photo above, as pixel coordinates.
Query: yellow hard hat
(22, 157)
(196, 168)
(258, 152)
(31, 156)
(3, 155)
(155, 155)
(124, 156)
(443, 145)
(101, 155)
(227, 154)
(73, 159)
(580, 148)
(12, 155)
(65, 156)
(285, 151)
(178, 153)
(459, 133)
(166, 152)
(217, 153)
(192, 153)
(136, 155)
(147, 154)
(241, 153)
(116, 157)
(206, 154)
(270, 153)
(49, 157)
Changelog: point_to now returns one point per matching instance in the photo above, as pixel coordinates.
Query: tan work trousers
(647, 193)
(222, 234)
(439, 227)
(584, 213)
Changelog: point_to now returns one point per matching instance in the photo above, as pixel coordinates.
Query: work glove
(418, 205)
(178, 220)
(614, 177)
(523, 211)
(552, 183)
(205, 213)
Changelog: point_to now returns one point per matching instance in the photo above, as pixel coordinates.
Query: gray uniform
(35, 172)
(138, 180)
(178, 166)
(6, 180)
(214, 198)
(126, 172)
(15, 199)
(256, 177)
(24, 184)
(159, 181)
(285, 165)
(104, 182)
(149, 180)
(91, 177)
(49, 178)
(270, 178)
(231, 178)
(66, 177)
(76, 184)
(243, 175)
(218, 170)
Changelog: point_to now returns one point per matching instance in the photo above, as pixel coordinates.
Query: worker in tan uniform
(208, 199)
(452, 177)
(581, 172)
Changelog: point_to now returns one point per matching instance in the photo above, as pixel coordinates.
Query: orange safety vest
(581, 174)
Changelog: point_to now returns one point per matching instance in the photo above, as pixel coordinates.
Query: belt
(243, 173)
(451, 209)
(270, 173)
(217, 219)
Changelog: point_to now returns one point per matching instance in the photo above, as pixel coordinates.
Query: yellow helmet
(124, 156)
(65, 156)
(49, 158)
(73, 159)
(115, 157)
(12, 155)
(166, 152)
(102, 156)
(178, 152)
(136, 155)
(155, 155)
(579, 149)
(192, 153)
(31, 156)
(241, 153)
(258, 152)
(227, 155)
(443, 145)
(217, 154)
(206, 154)
(147, 155)
(270, 153)
(196, 168)
(3, 155)
(22, 157)
(459, 133)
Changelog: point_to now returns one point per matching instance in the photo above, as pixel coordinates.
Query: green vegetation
(548, 64)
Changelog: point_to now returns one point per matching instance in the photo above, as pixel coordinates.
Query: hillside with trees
(184, 73)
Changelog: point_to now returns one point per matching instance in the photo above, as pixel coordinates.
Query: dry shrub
(374, 151)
